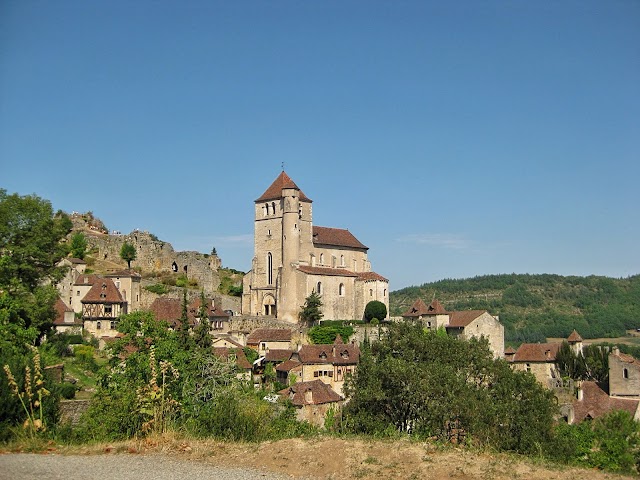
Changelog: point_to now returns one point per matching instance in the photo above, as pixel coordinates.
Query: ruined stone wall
(155, 256)
(72, 410)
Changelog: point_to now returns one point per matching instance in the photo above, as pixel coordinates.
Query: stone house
(313, 400)
(128, 282)
(264, 339)
(624, 375)
(170, 310)
(293, 258)
(540, 360)
(593, 402)
(74, 268)
(244, 368)
(224, 340)
(65, 320)
(329, 363)
(463, 323)
(101, 307)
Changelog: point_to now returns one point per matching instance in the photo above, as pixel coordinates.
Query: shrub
(157, 288)
(67, 390)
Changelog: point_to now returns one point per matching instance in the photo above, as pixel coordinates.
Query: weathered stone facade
(624, 375)
(292, 259)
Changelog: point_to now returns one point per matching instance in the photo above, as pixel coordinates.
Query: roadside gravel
(27, 466)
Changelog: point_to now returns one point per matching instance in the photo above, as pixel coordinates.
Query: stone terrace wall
(72, 410)
(155, 256)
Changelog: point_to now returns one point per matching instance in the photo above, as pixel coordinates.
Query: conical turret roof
(274, 192)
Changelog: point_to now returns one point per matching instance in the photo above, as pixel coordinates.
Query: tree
(184, 335)
(433, 385)
(202, 334)
(311, 313)
(128, 253)
(375, 309)
(78, 245)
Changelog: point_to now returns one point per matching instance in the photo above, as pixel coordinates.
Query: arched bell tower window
(341, 290)
(322, 259)
(269, 268)
(319, 288)
(342, 260)
(266, 209)
(625, 373)
(273, 208)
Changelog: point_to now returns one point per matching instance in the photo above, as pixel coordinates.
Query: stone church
(293, 258)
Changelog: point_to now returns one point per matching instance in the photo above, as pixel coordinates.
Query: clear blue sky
(453, 138)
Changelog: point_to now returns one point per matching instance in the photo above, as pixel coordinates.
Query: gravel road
(26, 466)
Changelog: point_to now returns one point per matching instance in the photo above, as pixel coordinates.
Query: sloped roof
(124, 273)
(76, 261)
(334, 272)
(574, 337)
(168, 309)
(334, 354)
(463, 317)
(368, 276)
(338, 237)
(288, 365)
(626, 358)
(419, 308)
(103, 291)
(269, 335)
(61, 308)
(320, 393)
(241, 359)
(86, 279)
(229, 339)
(509, 351)
(278, 355)
(596, 403)
(213, 310)
(274, 191)
(537, 352)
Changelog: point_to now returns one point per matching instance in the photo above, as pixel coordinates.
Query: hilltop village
(261, 330)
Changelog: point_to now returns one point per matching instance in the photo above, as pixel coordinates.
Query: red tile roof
(336, 237)
(335, 354)
(274, 192)
(278, 355)
(77, 261)
(124, 273)
(596, 403)
(213, 310)
(463, 318)
(574, 337)
(269, 335)
(167, 309)
(61, 308)
(103, 291)
(537, 352)
(509, 351)
(368, 276)
(337, 272)
(86, 279)
(288, 365)
(419, 308)
(320, 393)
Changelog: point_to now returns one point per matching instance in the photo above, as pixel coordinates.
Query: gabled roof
(574, 337)
(274, 192)
(278, 355)
(288, 365)
(320, 393)
(103, 291)
(76, 261)
(241, 359)
(86, 279)
(269, 335)
(338, 237)
(124, 273)
(61, 308)
(332, 272)
(228, 339)
(596, 403)
(419, 308)
(213, 310)
(334, 354)
(509, 350)
(168, 309)
(537, 352)
(626, 358)
(463, 318)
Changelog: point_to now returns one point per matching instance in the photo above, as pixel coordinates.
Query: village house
(101, 307)
(293, 258)
(128, 282)
(540, 360)
(464, 323)
(624, 375)
(74, 268)
(593, 402)
(264, 339)
(170, 310)
(65, 320)
(312, 400)
(244, 368)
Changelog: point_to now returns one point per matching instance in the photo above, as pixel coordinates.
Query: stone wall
(624, 376)
(72, 410)
(156, 256)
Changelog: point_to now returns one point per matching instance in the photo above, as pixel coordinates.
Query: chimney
(308, 396)
(616, 351)
(580, 392)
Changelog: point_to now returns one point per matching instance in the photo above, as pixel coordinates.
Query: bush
(375, 309)
(67, 390)
(157, 288)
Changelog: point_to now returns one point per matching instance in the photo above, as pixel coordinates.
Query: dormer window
(323, 356)
(345, 354)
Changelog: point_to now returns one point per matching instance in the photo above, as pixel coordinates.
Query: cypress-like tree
(202, 335)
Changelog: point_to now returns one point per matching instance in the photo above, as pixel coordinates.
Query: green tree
(311, 313)
(433, 385)
(128, 253)
(78, 245)
(375, 309)
(202, 334)
(184, 334)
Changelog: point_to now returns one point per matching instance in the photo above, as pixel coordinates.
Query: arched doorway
(269, 305)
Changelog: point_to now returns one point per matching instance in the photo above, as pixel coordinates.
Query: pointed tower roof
(418, 308)
(274, 192)
(574, 337)
(338, 340)
(436, 308)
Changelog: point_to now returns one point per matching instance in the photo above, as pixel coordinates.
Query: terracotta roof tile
(574, 337)
(77, 261)
(419, 308)
(336, 237)
(269, 335)
(368, 276)
(61, 308)
(509, 351)
(537, 352)
(463, 318)
(288, 365)
(103, 291)
(336, 272)
(278, 355)
(319, 391)
(86, 279)
(167, 309)
(124, 273)
(596, 403)
(274, 192)
(335, 354)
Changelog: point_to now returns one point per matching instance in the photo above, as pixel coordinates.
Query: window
(527, 367)
(266, 209)
(371, 292)
(341, 290)
(625, 373)
(342, 260)
(319, 288)
(322, 259)
(118, 284)
(269, 268)
(333, 261)
(112, 325)
(77, 293)
(108, 309)
(98, 325)
(385, 292)
(315, 374)
(273, 208)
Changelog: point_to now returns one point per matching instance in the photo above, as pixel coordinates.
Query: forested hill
(533, 307)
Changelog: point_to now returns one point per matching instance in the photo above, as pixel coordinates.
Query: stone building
(624, 375)
(101, 307)
(463, 323)
(293, 258)
(540, 360)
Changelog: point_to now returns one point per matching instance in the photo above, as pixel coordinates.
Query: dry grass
(333, 458)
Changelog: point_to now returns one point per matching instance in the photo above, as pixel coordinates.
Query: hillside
(533, 307)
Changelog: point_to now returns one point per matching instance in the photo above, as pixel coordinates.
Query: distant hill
(533, 307)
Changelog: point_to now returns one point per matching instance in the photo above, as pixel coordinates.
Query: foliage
(533, 307)
(128, 253)
(67, 390)
(251, 354)
(433, 385)
(78, 245)
(202, 332)
(591, 364)
(184, 334)
(311, 313)
(375, 309)
(182, 281)
(323, 335)
(85, 356)
(157, 288)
